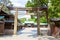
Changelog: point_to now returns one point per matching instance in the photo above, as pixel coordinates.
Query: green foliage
(53, 8)
(22, 20)
(36, 3)
(43, 20)
(32, 18)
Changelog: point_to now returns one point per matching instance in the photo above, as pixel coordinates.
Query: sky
(20, 3)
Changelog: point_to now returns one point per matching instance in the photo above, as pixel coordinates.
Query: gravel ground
(27, 34)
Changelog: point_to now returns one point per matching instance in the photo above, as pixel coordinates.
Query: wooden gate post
(49, 33)
(38, 22)
(15, 21)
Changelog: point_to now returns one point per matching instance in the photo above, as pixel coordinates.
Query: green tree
(53, 8)
(37, 3)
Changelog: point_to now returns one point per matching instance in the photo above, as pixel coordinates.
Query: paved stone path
(27, 34)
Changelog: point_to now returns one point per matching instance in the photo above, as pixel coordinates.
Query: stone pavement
(27, 34)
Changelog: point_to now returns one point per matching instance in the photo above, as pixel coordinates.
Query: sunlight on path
(27, 34)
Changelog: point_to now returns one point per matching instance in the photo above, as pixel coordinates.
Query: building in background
(6, 18)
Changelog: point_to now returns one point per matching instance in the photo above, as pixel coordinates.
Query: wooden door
(1, 27)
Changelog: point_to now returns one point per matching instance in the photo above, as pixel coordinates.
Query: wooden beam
(15, 21)
(27, 8)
